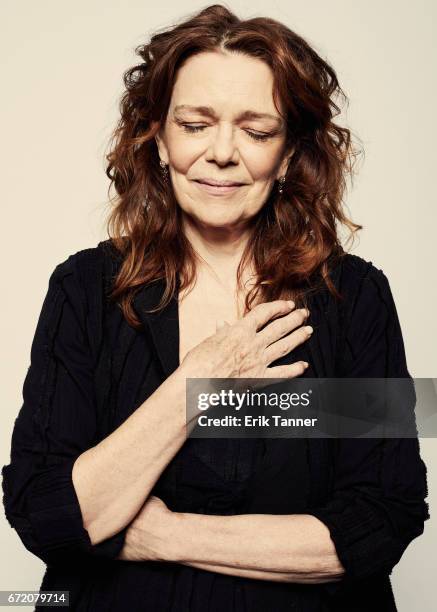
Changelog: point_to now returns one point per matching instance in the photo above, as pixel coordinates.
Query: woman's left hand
(149, 534)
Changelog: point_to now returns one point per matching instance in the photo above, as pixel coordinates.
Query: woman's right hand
(246, 348)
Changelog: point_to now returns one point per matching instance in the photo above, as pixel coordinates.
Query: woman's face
(222, 125)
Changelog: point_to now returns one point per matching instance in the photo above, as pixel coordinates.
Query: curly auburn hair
(294, 238)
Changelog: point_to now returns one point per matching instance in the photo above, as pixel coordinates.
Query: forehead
(227, 82)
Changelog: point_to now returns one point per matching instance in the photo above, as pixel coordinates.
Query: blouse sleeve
(378, 503)
(56, 423)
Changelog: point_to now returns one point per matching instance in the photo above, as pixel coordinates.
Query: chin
(211, 214)
(219, 223)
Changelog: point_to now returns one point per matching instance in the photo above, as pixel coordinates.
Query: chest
(132, 365)
(200, 312)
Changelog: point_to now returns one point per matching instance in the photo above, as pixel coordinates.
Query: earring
(146, 203)
(164, 170)
(281, 182)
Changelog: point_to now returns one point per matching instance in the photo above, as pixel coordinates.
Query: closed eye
(188, 127)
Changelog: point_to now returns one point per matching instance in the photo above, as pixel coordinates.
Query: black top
(90, 370)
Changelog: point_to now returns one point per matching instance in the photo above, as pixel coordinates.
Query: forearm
(261, 574)
(114, 478)
(298, 545)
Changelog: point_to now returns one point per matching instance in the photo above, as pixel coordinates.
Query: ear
(285, 163)
(162, 147)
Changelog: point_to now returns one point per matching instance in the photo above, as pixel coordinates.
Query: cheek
(184, 152)
(262, 162)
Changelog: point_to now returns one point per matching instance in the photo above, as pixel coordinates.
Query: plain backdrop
(62, 64)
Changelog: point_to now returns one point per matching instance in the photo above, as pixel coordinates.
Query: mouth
(217, 187)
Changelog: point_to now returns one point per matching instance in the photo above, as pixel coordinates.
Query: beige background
(61, 77)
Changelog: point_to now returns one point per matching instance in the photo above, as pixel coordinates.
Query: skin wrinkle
(222, 151)
(208, 111)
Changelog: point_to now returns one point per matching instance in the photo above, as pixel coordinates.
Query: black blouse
(90, 370)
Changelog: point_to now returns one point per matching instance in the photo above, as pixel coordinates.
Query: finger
(280, 327)
(287, 343)
(287, 371)
(263, 313)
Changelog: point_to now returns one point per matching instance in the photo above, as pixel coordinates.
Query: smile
(217, 189)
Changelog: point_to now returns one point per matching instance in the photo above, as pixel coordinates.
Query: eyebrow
(208, 111)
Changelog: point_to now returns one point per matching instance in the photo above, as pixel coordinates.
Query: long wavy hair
(294, 238)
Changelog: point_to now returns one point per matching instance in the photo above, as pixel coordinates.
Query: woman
(229, 172)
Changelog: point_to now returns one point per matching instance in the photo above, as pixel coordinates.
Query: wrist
(177, 535)
(188, 411)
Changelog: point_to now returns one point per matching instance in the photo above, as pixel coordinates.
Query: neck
(220, 248)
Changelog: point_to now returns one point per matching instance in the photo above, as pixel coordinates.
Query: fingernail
(309, 329)
(305, 364)
(291, 303)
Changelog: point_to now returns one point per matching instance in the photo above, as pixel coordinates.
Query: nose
(222, 147)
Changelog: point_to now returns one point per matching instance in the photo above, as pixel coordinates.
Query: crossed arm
(376, 508)
(283, 548)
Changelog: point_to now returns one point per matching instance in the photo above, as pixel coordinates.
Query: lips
(221, 189)
(216, 183)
